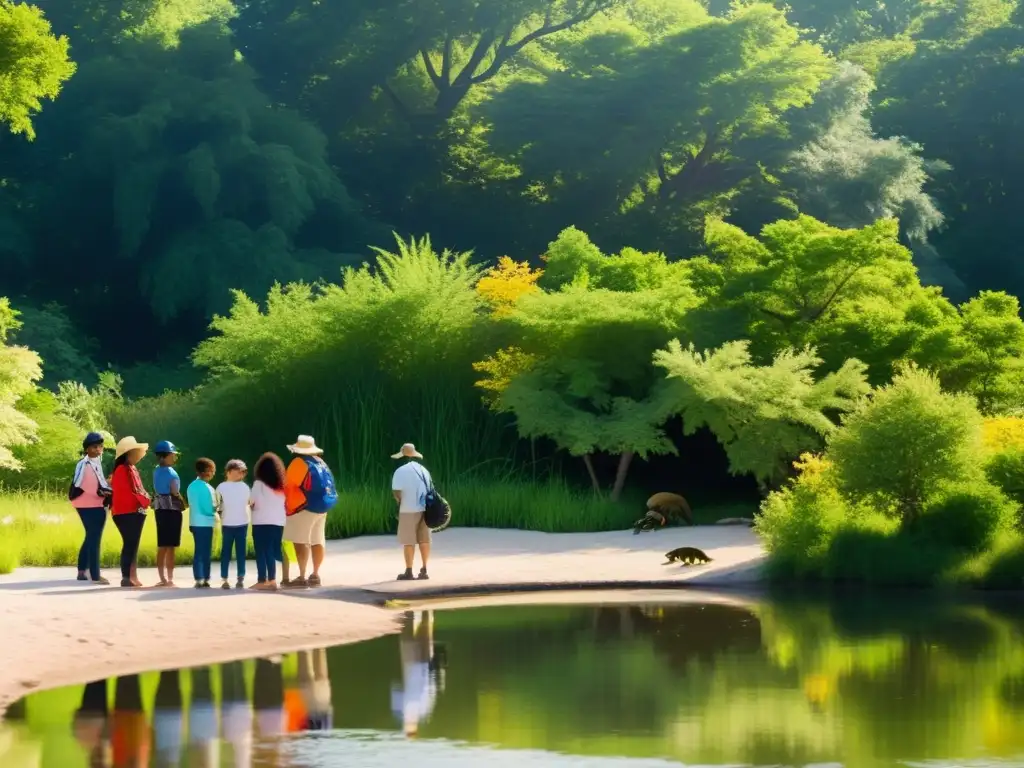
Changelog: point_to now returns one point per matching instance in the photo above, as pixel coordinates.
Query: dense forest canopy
(163, 152)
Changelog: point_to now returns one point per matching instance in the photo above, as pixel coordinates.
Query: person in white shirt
(269, 515)
(233, 505)
(204, 746)
(413, 703)
(168, 719)
(409, 485)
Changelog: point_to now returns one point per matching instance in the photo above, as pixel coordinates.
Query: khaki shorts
(412, 529)
(305, 527)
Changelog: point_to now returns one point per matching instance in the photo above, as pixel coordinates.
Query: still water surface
(857, 682)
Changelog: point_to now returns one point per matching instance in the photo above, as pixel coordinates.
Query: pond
(855, 682)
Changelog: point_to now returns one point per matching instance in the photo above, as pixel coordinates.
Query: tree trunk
(593, 474)
(625, 458)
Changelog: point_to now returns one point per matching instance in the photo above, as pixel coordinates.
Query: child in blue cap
(168, 508)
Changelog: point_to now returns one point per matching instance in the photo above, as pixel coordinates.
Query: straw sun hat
(127, 444)
(305, 446)
(408, 452)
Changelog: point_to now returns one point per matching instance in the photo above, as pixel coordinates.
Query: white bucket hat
(127, 444)
(305, 446)
(408, 452)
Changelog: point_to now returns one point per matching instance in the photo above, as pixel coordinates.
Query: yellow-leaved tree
(503, 285)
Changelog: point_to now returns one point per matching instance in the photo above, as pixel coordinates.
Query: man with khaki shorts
(409, 486)
(305, 529)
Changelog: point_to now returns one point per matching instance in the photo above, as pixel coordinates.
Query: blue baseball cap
(93, 438)
(165, 446)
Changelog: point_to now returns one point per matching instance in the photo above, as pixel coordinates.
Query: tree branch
(506, 51)
(431, 70)
(446, 60)
(832, 297)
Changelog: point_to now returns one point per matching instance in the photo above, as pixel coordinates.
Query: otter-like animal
(687, 556)
(662, 508)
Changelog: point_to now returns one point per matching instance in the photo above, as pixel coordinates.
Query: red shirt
(129, 495)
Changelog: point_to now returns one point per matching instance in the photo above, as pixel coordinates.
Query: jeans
(93, 519)
(203, 537)
(266, 540)
(233, 536)
(129, 525)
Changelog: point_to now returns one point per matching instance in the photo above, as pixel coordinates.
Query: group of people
(283, 504)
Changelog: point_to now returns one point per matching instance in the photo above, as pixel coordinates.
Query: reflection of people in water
(168, 720)
(236, 713)
(129, 730)
(315, 688)
(90, 724)
(268, 701)
(413, 703)
(204, 746)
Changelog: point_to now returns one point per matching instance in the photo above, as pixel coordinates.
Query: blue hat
(93, 438)
(165, 446)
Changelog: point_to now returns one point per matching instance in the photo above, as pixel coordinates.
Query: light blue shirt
(202, 501)
(166, 480)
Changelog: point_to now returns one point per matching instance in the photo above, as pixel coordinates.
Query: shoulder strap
(428, 483)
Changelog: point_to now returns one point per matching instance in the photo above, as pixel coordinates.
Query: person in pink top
(89, 494)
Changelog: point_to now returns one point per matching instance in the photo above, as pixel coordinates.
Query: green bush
(907, 439)
(1006, 470)
(797, 524)
(49, 460)
(966, 516)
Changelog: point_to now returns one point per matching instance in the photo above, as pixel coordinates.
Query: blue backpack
(321, 493)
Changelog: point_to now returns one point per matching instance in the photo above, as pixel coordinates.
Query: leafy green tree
(698, 116)
(19, 370)
(66, 352)
(849, 177)
(33, 65)
(765, 416)
(579, 372)
(906, 441)
(171, 162)
(952, 97)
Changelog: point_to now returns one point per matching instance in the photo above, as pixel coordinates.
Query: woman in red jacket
(129, 505)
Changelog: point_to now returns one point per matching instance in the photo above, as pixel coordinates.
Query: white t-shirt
(234, 503)
(267, 505)
(409, 479)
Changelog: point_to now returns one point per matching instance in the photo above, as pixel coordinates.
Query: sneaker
(225, 585)
(82, 577)
(423, 575)
(199, 584)
(240, 584)
(406, 576)
(100, 580)
(206, 583)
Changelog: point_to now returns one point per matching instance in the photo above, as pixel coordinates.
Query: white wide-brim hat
(408, 452)
(128, 444)
(305, 446)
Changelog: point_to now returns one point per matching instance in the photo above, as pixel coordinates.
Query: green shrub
(966, 516)
(1006, 470)
(49, 460)
(796, 525)
(908, 438)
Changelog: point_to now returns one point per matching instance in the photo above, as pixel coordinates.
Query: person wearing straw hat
(310, 493)
(409, 486)
(128, 506)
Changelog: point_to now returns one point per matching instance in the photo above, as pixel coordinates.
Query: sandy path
(55, 630)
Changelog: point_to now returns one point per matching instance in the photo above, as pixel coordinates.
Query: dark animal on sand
(687, 556)
(661, 509)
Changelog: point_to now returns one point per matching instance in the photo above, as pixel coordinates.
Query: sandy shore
(57, 631)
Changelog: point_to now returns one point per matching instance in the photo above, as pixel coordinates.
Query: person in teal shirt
(202, 516)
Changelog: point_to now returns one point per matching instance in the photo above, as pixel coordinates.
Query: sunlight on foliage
(501, 286)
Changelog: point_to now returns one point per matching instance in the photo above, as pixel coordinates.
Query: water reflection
(861, 682)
